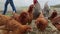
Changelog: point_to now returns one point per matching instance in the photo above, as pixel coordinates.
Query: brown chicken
(55, 19)
(30, 11)
(41, 22)
(56, 22)
(24, 17)
(53, 15)
(13, 25)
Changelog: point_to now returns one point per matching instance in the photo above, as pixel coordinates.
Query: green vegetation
(56, 6)
(9, 14)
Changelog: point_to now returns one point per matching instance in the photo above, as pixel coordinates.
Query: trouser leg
(12, 5)
(5, 7)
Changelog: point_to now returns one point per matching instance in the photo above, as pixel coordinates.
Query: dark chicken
(56, 22)
(53, 15)
(55, 19)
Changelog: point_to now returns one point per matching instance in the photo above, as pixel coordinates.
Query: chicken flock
(19, 23)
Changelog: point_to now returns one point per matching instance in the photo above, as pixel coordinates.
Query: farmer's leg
(12, 5)
(5, 7)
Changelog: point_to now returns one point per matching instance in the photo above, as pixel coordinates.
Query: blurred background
(23, 4)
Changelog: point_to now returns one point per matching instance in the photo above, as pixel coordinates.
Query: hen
(55, 19)
(13, 25)
(30, 11)
(53, 15)
(56, 22)
(41, 22)
(24, 17)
